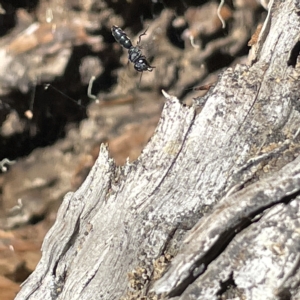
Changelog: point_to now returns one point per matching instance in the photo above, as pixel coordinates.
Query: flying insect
(134, 52)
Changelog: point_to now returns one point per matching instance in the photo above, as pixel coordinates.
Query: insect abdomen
(121, 37)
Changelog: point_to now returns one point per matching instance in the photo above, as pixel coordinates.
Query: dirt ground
(54, 117)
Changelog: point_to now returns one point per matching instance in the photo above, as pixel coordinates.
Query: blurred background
(66, 86)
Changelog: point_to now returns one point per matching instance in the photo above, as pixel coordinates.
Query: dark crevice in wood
(292, 61)
(169, 239)
(211, 255)
(224, 240)
(58, 286)
(67, 246)
(285, 294)
(227, 285)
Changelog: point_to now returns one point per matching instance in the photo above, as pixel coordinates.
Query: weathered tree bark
(214, 197)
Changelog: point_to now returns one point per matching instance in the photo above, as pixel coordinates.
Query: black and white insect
(134, 52)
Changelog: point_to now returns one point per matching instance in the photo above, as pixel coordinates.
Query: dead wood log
(214, 196)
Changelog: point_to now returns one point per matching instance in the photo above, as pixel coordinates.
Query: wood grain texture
(215, 193)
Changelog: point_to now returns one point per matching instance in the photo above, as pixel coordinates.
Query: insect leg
(140, 36)
(140, 79)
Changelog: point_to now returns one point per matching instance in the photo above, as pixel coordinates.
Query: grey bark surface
(213, 199)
